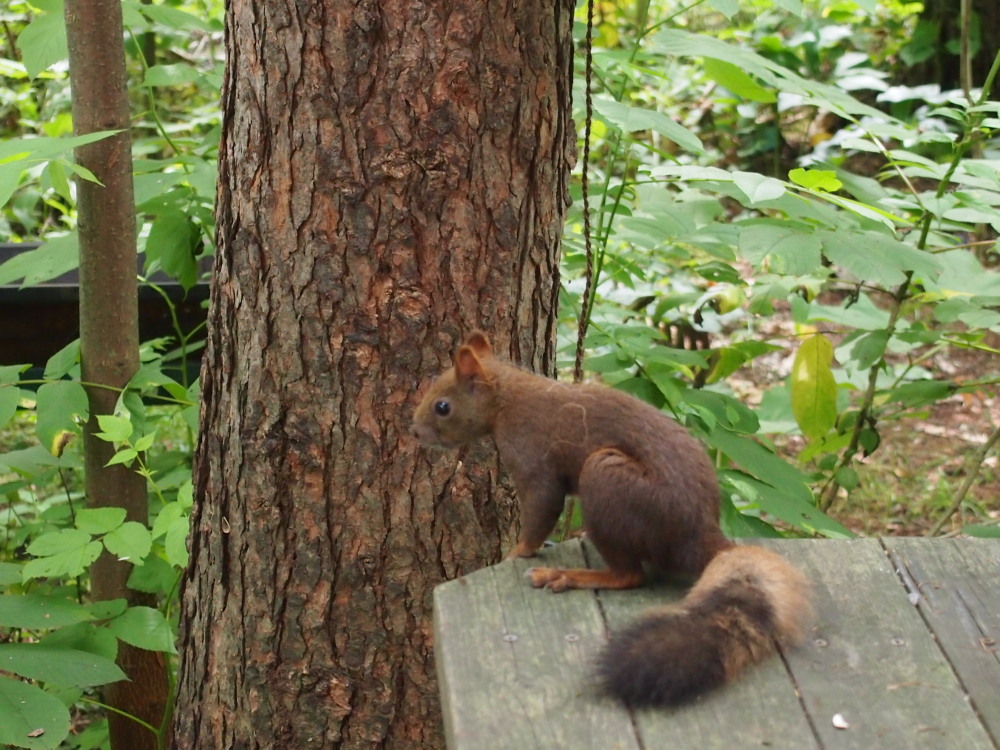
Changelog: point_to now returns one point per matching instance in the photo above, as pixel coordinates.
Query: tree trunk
(391, 175)
(109, 328)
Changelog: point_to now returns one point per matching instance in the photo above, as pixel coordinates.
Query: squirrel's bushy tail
(747, 599)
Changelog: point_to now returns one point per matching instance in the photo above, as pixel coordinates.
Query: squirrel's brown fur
(649, 494)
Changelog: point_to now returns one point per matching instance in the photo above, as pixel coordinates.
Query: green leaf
(983, 531)
(84, 636)
(758, 188)
(758, 461)
(175, 18)
(875, 257)
(11, 374)
(28, 710)
(10, 397)
(728, 8)
(144, 627)
(124, 456)
(61, 666)
(633, 119)
(813, 388)
(816, 179)
(59, 406)
(171, 243)
(114, 429)
(99, 520)
(57, 256)
(789, 507)
(175, 544)
(868, 349)
(10, 573)
(738, 82)
(63, 361)
(171, 75)
(43, 41)
(67, 552)
(780, 249)
(38, 611)
(130, 541)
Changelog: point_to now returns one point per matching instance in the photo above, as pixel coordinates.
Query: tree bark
(109, 328)
(391, 175)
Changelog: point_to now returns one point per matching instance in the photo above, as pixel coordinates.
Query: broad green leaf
(772, 74)
(632, 119)
(737, 81)
(790, 507)
(60, 183)
(175, 18)
(983, 531)
(68, 552)
(814, 390)
(84, 636)
(175, 544)
(780, 249)
(125, 456)
(28, 710)
(757, 187)
(156, 576)
(877, 258)
(57, 256)
(63, 361)
(106, 609)
(166, 517)
(11, 374)
(737, 525)
(171, 75)
(143, 627)
(30, 462)
(816, 179)
(130, 541)
(10, 397)
(99, 520)
(10, 573)
(171, 243)
(728, 8)
(38, 611)
(43, 41)
(919, 393)
(758, 461)
(868, 349)
(59, 406)
(114, 429)
(61, 666)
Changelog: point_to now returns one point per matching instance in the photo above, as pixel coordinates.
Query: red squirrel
(649, 495)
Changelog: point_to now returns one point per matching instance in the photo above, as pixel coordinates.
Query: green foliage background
(761, 190)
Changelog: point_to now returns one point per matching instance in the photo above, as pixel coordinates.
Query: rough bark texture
(109, 327)
(392, 175)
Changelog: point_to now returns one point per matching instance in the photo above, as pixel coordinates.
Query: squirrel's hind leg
(616, 531)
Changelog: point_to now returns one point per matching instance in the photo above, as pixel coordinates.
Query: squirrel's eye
(442, 408)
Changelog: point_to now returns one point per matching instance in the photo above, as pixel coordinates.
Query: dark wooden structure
(903, 654)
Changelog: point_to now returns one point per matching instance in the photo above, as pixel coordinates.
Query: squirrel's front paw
(522, 550)
(553, 579)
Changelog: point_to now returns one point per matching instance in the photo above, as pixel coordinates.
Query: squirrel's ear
(480, 344)
(467, 364)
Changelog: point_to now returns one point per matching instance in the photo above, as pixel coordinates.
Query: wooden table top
(903, 653)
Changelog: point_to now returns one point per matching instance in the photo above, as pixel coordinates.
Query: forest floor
(908, 484)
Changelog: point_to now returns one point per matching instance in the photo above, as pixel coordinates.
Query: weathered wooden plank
(759, 710)
(871, 659)
(957, 588)
(512, 662)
